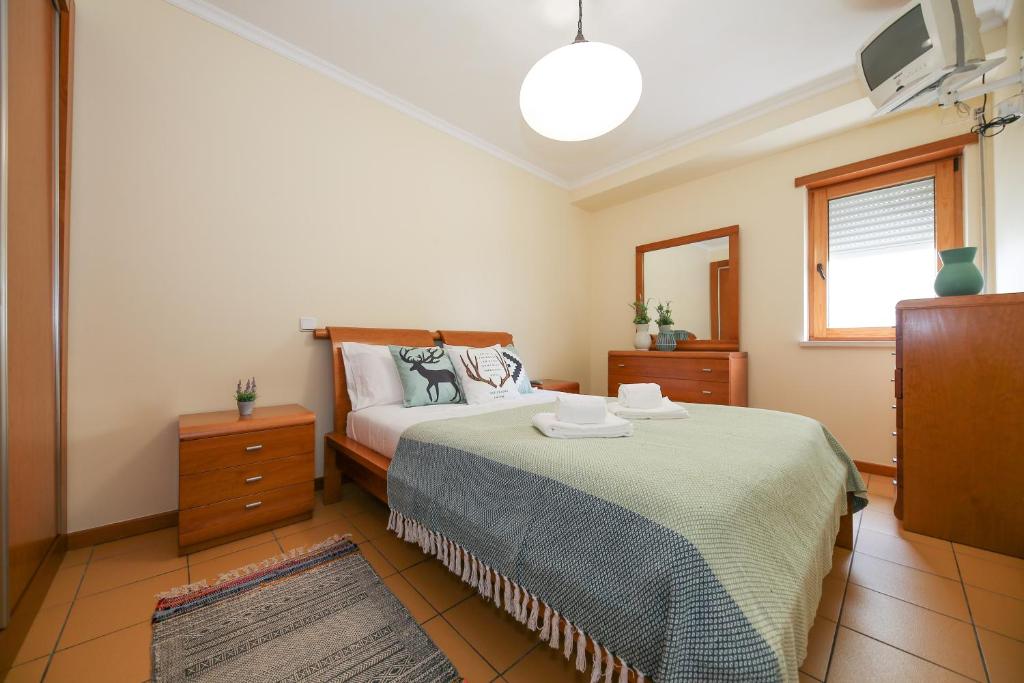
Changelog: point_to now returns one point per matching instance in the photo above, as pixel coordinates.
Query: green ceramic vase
(958, 275)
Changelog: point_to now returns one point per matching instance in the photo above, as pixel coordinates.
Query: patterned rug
(316, 615)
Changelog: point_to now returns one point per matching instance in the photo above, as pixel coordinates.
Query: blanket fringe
(507, 594)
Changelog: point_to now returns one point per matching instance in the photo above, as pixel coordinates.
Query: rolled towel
(581, 410)
(640, 396)
(666, 411)
(612, 427)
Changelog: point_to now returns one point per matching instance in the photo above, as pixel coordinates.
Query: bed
(703, 561)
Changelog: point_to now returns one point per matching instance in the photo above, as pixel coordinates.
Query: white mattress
(380, 427)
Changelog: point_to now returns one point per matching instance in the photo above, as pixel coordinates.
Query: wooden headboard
(475, 339)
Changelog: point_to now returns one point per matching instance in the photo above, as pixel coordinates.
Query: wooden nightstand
(238, 476)
(563, 385)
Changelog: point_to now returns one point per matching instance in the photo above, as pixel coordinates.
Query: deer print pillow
(485, 374)
(427, 375)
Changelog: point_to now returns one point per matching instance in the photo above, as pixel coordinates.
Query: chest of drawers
(687, 376)
(239, 476)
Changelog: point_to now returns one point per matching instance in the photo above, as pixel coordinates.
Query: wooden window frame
(941, 160)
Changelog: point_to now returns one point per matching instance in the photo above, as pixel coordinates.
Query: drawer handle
(253, 505)
(705, 369)
(894, 433)
(253, 480)
(705, 392)
(894, 461)
(894, 483)
(257, 447)
(622, 365)
(893, 406)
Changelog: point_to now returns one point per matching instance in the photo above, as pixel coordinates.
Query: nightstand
(562, 385)
(238, 476)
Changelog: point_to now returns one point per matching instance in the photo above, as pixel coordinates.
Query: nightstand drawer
(205, 488)
(240, 514)
(218, 452)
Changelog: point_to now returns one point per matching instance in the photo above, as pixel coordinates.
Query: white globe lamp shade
(580, 91)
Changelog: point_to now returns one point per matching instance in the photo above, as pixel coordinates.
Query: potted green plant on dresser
(246, 396)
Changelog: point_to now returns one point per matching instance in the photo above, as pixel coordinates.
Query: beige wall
(220, 192)
(848, 389)
(1008, 169)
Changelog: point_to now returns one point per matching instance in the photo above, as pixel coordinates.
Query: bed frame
(345, 458)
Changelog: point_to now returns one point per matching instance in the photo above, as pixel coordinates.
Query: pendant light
(580, 91)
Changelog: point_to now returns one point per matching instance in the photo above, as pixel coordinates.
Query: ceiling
(458, 64)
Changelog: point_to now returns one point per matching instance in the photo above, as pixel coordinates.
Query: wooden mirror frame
(733, 233)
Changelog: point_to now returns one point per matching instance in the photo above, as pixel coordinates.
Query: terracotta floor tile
(819, 646)
(113, 658)
(321, 515)
(42, 635)
(211, 569)
(440, 587)
(1004, 657)
(338, 526)
(164, 538)
(227, 548)
(804, 678)
(491, 631)
(372, 524)
(358, 502)
(992, 576)
(932, 636)
(547, 664)
(840, 563)
(934, 559)
(376, 560)
(73, 558)
(933, 592)
(470, 665)
(831, 598)
(125, 568)
(30, 672)
(399, 553)
(882, 487)
(65, 585)
(995, 612)
(418, 607)
(858, 658)
(103, 613)
(988, 555)
(885, 522)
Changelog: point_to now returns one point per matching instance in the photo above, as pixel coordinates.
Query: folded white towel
(666, 411)
(611, 427)
(581, 410)
(640, 396)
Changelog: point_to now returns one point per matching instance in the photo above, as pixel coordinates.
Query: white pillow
(370, 375)
(484, 374)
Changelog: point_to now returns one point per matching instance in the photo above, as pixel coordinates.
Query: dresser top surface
(677, 354)
(224, 422)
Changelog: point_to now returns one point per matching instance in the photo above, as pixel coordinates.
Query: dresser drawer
(204, 488)
(240, 514)
(685, 390)
(653, 369)
(218, 452)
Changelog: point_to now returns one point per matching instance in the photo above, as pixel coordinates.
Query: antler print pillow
(427, 375)
(484, 374)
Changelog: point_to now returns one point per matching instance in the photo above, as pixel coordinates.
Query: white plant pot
(245, 408)
(642, 340)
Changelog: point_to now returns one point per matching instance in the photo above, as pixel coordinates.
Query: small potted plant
(246, 396)
(666, 340)
(642, 321)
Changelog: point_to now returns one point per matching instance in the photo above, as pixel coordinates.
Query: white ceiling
(458, 64)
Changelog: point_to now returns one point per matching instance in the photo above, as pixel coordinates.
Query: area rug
(320, 614)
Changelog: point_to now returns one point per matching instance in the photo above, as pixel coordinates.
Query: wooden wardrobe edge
(25, 611)
(118, 530)
(875, 468)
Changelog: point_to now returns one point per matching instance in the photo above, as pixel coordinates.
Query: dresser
(687, 376)
(959, 386)
(238, 476)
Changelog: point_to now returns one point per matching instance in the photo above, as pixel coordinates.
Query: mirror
(699, 275)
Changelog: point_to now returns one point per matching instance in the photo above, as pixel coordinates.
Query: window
(874, 233)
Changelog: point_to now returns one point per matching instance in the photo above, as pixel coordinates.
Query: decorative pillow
(485, 374)
(514, 360)
(427, 376)
(370, 375)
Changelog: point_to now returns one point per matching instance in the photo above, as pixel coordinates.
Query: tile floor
(902, 607)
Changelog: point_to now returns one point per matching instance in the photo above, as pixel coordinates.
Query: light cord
(579, 27)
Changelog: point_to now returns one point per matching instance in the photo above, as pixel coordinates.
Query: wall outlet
(307, 324)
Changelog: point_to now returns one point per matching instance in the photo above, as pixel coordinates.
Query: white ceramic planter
(642, 340)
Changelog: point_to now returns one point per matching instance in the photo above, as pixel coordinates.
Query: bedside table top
(563, 385)
(223, 422)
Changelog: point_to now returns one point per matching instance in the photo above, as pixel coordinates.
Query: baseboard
(24, 613)
(129, 527)
(875, 468)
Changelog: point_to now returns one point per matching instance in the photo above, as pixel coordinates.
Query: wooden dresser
(687, 376)
(960, 419)
(241, 475)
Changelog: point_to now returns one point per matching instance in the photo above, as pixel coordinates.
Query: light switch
(307, 324)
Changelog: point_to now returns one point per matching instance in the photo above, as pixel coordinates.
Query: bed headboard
(475, 339)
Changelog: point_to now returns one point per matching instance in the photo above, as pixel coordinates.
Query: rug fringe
(514, 599)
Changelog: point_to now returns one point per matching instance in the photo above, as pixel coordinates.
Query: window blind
(890, 218)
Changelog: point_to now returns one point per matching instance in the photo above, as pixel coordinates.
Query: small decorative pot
(958, 275)
(245, 408)
(642, 340)
(666, 340)
(681, 335)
